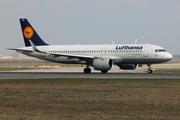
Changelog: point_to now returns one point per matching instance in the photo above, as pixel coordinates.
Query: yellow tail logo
(28, 32)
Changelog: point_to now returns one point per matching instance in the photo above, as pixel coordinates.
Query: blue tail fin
(29, 33)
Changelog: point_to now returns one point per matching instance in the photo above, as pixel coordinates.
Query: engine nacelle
(127, 66)
(103, 64)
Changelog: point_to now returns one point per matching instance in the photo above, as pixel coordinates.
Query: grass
(87, 99)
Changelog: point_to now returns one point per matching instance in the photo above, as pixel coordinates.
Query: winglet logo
(28, 32)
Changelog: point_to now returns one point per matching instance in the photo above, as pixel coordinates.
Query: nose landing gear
(149, 68)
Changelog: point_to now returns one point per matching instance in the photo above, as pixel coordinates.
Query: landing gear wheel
(87, 70)
(104, 71)
(149, 71)
(140, 65)
(149, 68)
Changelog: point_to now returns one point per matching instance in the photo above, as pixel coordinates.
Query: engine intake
(103, 64)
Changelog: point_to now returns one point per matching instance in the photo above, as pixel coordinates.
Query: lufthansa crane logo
(28, 32)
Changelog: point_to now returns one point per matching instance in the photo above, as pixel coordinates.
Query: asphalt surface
(10, 75)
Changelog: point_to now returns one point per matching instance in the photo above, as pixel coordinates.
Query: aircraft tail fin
(29, 33)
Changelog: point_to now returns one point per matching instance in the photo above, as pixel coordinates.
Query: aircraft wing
(55, 54)
(72, 55)
(84, 56)
(61, 54)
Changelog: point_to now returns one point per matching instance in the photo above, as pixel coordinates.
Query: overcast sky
(92, 22)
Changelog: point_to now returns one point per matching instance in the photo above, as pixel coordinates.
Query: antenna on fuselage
(136, 40)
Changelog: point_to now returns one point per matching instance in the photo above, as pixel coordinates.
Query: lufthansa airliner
(100, 57)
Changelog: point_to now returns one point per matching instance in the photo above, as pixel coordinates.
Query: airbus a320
(100, 57)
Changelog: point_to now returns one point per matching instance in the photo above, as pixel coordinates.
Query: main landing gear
(149, 68)
(87, 70)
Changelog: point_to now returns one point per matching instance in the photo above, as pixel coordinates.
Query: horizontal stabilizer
(19, 50)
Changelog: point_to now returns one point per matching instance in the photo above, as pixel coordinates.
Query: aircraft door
(146, 51)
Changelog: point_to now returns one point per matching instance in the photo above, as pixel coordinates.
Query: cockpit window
(160, 50)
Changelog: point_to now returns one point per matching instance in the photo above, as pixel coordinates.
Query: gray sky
(93, 22)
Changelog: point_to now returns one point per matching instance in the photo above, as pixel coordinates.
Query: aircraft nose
(169, 56)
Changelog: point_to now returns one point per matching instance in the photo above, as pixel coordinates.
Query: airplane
(100, 57)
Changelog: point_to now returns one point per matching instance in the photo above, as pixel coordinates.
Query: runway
(13, 75)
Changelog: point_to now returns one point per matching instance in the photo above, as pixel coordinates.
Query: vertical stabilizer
(29, 33)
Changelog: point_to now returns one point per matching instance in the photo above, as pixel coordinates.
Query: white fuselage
(119, 53)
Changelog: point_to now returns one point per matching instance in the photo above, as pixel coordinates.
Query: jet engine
(127, 66)
(103, 64)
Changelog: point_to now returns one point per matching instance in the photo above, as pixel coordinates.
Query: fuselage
(119, 53)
